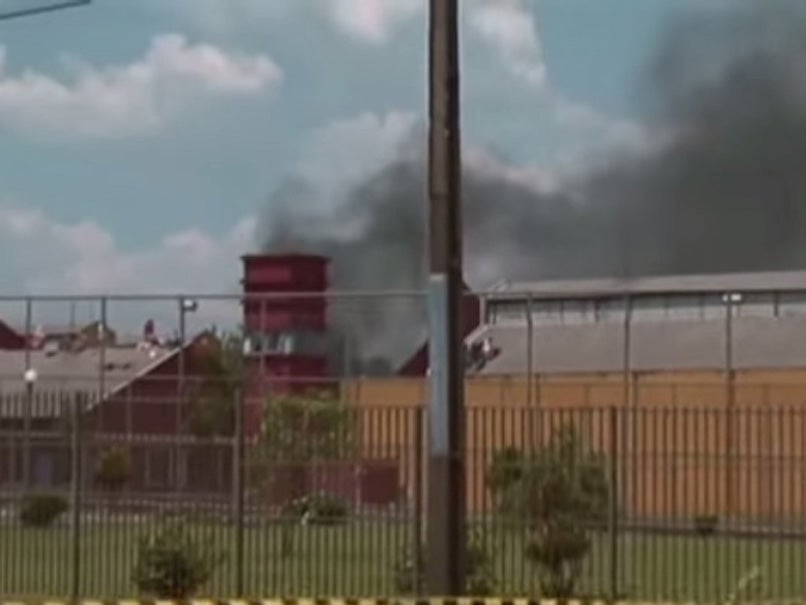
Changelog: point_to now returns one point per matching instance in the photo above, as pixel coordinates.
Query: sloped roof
(71, 372)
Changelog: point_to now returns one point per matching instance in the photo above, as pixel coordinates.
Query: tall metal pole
(29, 397)
(730, 396)
(446, 484)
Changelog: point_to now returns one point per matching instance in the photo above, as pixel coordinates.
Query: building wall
(9, 339)
(680, 450)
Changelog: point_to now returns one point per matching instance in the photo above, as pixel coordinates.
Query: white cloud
(45, 256)
(372, 20)
(133, 99)
(509, 27)
(83, 257)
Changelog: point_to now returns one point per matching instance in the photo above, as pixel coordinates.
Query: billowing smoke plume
(723, 190)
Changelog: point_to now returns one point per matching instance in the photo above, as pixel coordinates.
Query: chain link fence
(328, 498)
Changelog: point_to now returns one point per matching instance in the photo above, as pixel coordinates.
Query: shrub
(318, 509)
(114, 470)
(42, 510)
(409, 572)
(173, 564)
(557, 495)
(705, 525)
(558, 547)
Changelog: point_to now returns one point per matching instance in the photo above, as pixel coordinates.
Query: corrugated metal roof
(71, 372)
(758, 343)
(774, 281)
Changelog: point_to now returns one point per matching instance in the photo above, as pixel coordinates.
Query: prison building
(727, 322)
(706, 375)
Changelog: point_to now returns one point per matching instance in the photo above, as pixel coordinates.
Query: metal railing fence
(305, 498)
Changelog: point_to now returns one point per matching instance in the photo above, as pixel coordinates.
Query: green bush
(172, 563)
(705, 525)
(557, 495)
(114, 469)
(318, 509)
(409, 572)
(559, 548)
(42, 510)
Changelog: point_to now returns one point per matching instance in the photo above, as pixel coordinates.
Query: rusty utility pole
(445, 553)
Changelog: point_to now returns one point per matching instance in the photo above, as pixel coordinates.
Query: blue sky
(140, 138)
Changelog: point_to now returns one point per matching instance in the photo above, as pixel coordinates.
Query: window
(756, 305)
(792, 303)
(714, 306)
(649, 308)
(547, 312)
(684, 307)
(578, 311)
(611, 310)
(507, 310)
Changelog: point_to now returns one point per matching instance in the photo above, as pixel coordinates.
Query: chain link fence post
(76, 409)
(239, 491)
(613, 504)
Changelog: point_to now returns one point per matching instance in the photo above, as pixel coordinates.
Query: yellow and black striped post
(378, 601)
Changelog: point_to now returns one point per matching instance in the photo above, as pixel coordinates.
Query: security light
(189, 305)
(30, 376)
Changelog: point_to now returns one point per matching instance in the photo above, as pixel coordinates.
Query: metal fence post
(30, 378)
(420, 537)
(239, 489)
(75, 495)
(613, 504)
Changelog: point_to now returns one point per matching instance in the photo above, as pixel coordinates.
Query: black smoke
(722, 189)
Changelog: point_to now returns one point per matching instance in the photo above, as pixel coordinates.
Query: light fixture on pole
(30, 376)
(39, 10)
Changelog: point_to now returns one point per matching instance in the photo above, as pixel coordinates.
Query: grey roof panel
(758, 343)
(719, 282)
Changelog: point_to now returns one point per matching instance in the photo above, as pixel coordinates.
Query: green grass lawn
(359, 559)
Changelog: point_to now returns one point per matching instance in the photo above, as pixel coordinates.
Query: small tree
(558, 494)
(213, 400)
(173, 564)
(297, 432)
(307, 428)
(114, 470)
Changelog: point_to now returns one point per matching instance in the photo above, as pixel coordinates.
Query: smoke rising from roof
(724, 191)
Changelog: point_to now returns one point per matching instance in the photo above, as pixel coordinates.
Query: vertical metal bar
(446, 518)
(102, 352)
(729, 401)
(29, 399)
(75, 496)
(180, 398)
(628, 409)
(612, 523)
(238, 489)
(419, 537)
(346, 353)
(262, 379)
(530, 373)
(529, 351)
